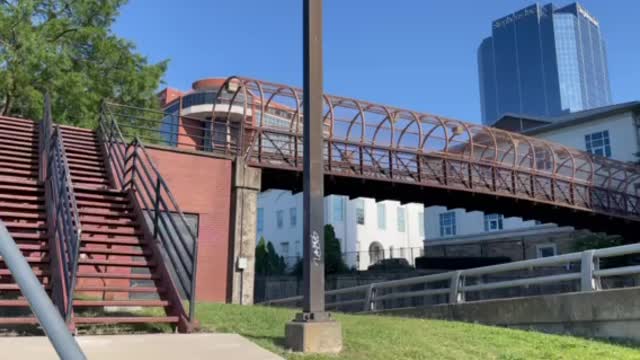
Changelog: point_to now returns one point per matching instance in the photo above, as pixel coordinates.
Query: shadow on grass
(278, 341)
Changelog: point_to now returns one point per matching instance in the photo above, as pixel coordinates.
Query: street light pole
(313, 197)
(313, 330)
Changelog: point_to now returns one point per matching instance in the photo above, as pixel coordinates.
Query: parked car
(400, 264)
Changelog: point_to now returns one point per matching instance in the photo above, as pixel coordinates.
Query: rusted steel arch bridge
(385, 152)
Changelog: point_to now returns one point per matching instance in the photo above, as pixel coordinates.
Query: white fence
(453, 287)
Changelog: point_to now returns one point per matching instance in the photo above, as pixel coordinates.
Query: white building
(368, 231)
(610, 131)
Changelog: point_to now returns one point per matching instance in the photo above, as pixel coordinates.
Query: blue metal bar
(47, 314)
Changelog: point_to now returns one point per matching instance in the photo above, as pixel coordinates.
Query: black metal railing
(170, 128)
(63, 218)
(135, 171)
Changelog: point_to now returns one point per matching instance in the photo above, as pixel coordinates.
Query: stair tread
(26, 320)
(118, 263)
(147, 303)
(125, 320)
(106, 275)
(123, 252)
(119, 289)
(122, 240)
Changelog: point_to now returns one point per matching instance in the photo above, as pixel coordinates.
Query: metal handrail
(135, 170)
(589, 275)
(41, 305)
(65, 219)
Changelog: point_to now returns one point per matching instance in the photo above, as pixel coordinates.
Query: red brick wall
(202, 185)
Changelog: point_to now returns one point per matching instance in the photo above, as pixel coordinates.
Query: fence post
(587, 281)
(456, 296)
(369, 303)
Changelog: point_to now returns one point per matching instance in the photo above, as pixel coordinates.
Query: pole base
(314, 336)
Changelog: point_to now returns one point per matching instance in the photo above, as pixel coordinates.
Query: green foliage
(596, 241)
(599, 241)
(268, 262)
(66, 47)
(333, 262)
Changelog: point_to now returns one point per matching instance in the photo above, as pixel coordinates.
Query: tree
(66, 47)
(268, 262)
(333, 262)
(600, 240)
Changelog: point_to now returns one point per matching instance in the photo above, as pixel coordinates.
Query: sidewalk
(156, 346)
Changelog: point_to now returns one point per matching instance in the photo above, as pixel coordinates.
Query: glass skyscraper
(543, 61)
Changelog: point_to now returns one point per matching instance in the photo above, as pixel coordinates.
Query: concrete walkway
(138, 347)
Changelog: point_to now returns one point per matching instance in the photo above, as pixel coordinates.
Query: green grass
(388, 338)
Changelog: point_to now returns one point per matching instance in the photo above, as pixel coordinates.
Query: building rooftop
(532, 125)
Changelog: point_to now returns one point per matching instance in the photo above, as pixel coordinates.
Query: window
(401, 219)
(260, 221)
(421, 224)
(280, 218)
(338, 209)
(284, 247)
(546, 250)
(293, 217)
(360, 212)
(382, 216)
(448, 223)
(493, 222)
(598, 143)
(170, 124)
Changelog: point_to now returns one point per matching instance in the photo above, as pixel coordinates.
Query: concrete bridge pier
(245, 187)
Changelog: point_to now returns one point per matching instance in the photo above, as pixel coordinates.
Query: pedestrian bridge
(384, 152)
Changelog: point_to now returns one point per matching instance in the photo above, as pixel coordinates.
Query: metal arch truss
(372, 141)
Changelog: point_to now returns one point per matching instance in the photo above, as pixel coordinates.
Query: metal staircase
(97, 224)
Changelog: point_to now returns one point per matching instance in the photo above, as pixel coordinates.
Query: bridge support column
(244, 202)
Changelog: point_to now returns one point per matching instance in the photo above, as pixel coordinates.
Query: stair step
(73, 139)
(5, 125)
(119, 263)
(92, 190)
(112, 276)
(22, 150)
(123, 240)
(77, 156)
(31, 207)
(103, 205)
(15, 287)
(9, 163)
(14, 303)
(107, 231)
(96, 168)
(126, 320)
(75, 161)
(80, 195)
(17, 120)
(21, 135)
(39, 226)
(7, 215)
(29, 236)
(128, 252)
(21, 173)
(76, 130)
(19, 197)
(18, 159)
(36, 272)
(124, 303)
(33, 260)
(89, 180)
(20, 183)
(74, 151)
(107, 222)
(30, 320)
(89, 174)
(19, 155)
(153, 290)
(103, 212)
(29, 145)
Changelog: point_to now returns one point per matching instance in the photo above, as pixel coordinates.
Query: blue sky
(417, 54)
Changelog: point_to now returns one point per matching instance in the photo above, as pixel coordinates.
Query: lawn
(387, 338)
